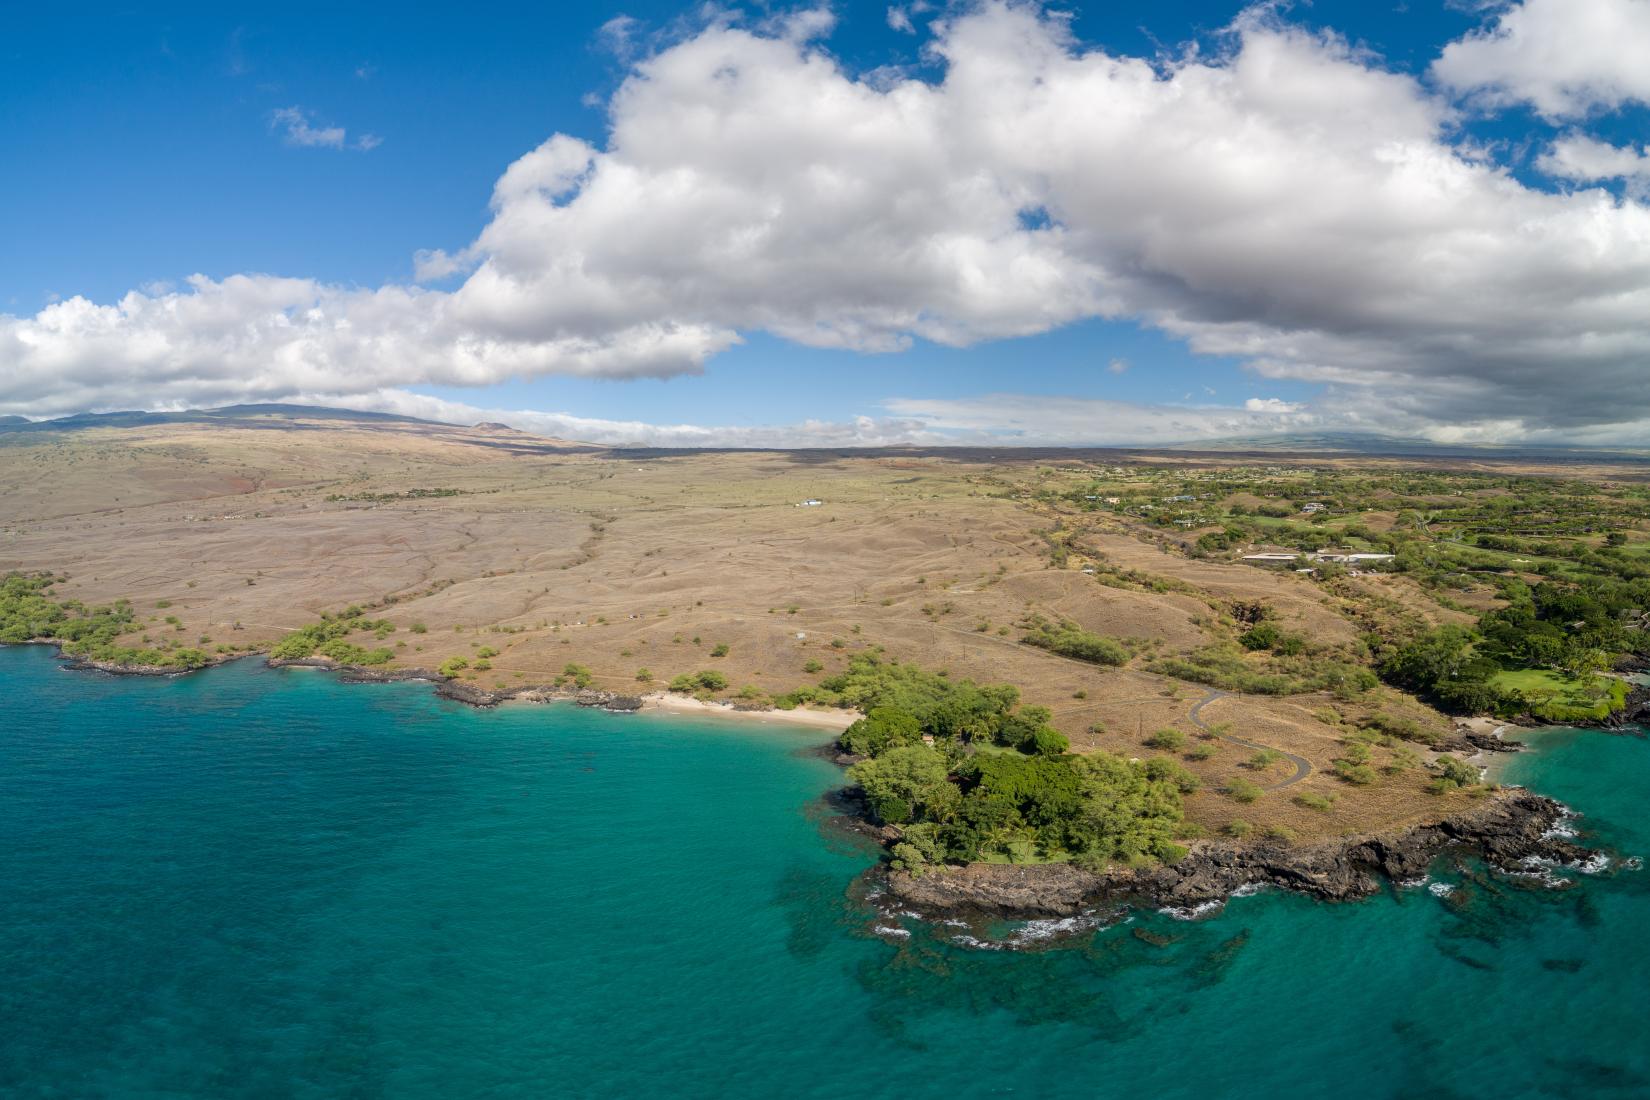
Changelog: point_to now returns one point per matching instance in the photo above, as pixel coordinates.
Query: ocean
(266, 883)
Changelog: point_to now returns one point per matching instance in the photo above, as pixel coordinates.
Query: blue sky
(148, 146)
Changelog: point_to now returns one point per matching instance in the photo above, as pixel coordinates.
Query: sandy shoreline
(833, 720)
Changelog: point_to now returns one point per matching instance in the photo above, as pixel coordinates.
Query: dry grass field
(553, 554)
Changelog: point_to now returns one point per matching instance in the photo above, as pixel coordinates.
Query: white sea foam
(1037, 930)
(1594, 864)
(1563, 828)
(1249, 889)
(1440, 889)
(1193, 912)
(896, 933)
(1544, 871)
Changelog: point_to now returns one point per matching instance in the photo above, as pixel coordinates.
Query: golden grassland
(553, 554)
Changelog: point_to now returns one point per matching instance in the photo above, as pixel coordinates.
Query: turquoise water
(265, 883)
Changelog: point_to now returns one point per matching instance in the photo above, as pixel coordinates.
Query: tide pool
(253, 882)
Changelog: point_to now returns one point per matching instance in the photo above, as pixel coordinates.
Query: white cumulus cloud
(1563, 57)
(1285, 200)
(1586, 159)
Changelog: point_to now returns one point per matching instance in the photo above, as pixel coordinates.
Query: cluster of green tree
(993, 721)
(961, 709)
(705, 680)
(1444, 666)
(330, 638)
(29, 614)
(1070, 640)
(1018, 796)
(1268, 635)
(1576, 629)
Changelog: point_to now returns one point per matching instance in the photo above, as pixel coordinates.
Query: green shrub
(1454, 772)
(1045, 741)
(1166, 739)
(1359, 775)
(1070, 640)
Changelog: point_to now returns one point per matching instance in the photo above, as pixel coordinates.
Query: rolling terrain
(521, 556)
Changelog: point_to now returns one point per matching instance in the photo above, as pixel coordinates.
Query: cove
(256, 882)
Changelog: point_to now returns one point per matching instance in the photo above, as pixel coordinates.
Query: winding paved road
(1303, 767)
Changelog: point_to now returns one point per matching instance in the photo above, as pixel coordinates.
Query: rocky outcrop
(1635, 713)
(608, 700)
(1506, 829)
(87, 664)
(459, 691)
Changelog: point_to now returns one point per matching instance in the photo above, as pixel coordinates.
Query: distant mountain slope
(283, 417)
(138, 419)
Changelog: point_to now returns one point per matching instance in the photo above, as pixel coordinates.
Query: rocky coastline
(1509, 830)
(446, 687)
(459, 691)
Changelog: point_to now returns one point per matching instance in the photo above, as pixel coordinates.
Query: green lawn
(1554, 697)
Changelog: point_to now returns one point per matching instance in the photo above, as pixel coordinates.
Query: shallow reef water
(255, 882)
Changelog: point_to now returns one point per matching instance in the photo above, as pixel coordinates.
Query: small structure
(1271, 559)
(811, 502)
(1313, 507)
(1321, 556)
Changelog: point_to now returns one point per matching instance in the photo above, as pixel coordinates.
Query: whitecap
(1562, 829)
(1594, 864)
(1033, 931)
(1193, 912)
(1441, 889)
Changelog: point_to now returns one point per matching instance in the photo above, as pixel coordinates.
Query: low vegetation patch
(1068, 639)
(29, 614)
(329, 638)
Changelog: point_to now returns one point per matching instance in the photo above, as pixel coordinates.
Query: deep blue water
(266, 883)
